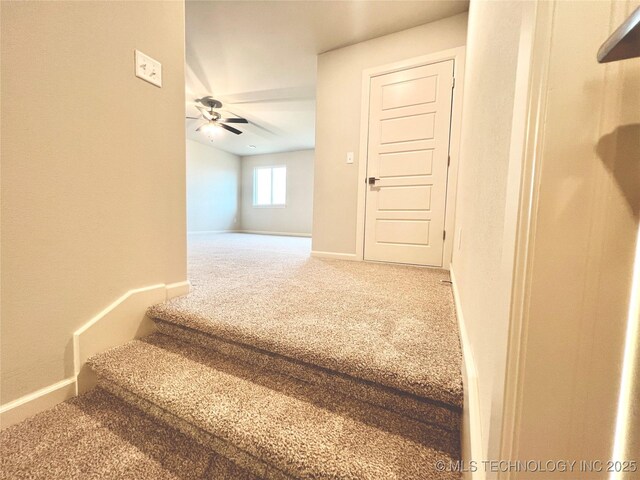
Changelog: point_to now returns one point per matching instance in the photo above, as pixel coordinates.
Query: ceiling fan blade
(263, 128)
(234, 120)
(231, 129)
(200, 127)
(192, 118)
(205, 113)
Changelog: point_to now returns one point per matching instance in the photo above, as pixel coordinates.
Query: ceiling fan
(213, 118)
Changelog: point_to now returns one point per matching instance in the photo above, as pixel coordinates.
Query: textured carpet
(392, 325)
(98, 436)
(443, 416)
(271, 424)
(276, 366)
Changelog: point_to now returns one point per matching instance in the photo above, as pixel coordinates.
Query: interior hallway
(276, 364)
(99, 196)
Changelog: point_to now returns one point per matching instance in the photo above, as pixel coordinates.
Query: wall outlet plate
(148, 69)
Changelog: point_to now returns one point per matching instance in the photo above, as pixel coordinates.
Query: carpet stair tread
(392, 325)
(272, 424)
(97, 435)
(421, 409)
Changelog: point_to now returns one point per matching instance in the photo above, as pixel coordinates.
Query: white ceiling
(259, 59)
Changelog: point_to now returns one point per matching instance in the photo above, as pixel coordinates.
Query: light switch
(148, 69)
(349, 157)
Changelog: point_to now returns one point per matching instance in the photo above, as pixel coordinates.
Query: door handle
(373, 180)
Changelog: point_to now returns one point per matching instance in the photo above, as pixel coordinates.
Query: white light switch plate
(349, 157)
(148, 69)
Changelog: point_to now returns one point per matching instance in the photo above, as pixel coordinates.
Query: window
(270, 186)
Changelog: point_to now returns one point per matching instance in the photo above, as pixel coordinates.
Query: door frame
(458, 56)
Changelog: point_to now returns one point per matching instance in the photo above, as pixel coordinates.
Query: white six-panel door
(407, 162)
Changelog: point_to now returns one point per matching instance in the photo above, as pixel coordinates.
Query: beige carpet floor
(98, 436)
(277, 366)
(271, 424)
(393, 325)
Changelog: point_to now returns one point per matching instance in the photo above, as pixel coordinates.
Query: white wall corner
(211, 232)
(471, 441)
(122, 321)
(280, 234)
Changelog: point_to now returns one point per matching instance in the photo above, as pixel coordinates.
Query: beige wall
(296, 217)
(93, 172)
(213, 189)
(564, 329)
(338, 121)
(585, 225)
(482, 258)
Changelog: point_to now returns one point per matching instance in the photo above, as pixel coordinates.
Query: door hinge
(448, 160)
(453, 83)
(444, 234)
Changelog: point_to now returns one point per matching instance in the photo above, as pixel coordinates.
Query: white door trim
(534, 51)
(458, 56)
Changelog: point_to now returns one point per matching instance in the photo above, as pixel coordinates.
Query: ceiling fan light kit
(208, 128)
(214, 119)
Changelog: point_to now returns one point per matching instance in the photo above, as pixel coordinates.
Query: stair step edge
(433, 391)
(418, 408)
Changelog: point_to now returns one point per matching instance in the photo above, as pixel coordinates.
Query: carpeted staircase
(100, 436)
(266, 421)
(276, 373)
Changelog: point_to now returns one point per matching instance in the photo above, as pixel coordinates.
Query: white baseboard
(472, 450)
(38, 401)
(178, 289)
(280, 234)
(254, 232)
(336, 255)
(207, 232)
(122, 321)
